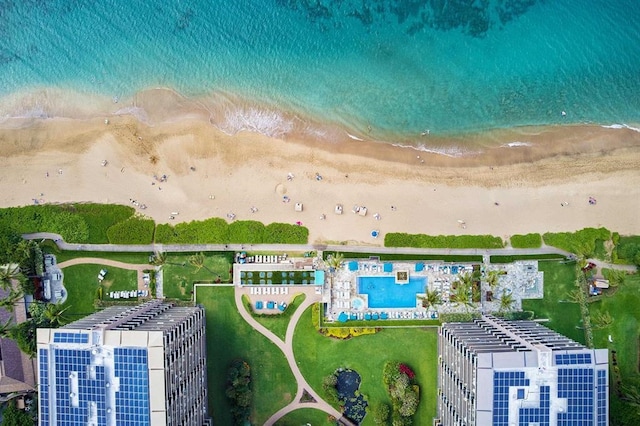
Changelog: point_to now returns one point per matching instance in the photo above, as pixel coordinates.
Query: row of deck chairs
(269, 290)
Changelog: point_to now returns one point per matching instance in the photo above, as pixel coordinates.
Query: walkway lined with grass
(169, 248)
(286, 347)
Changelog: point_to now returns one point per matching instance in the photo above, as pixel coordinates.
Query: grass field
(559, 279)
(179, 274)
(81, 282)
(319, 356)
(230, 337)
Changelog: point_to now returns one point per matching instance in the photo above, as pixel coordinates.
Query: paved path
(286, 347)
(285, 248)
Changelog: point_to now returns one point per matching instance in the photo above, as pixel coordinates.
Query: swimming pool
(383, 292)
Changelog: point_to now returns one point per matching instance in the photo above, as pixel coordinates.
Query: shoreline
(232, 115)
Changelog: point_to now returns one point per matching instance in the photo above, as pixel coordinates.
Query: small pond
(354, 403)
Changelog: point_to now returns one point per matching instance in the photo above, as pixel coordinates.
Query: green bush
(526, 241)
(582, 242)
(283, 233)
(76, 223)
(135, 230)
(519, 315)
(246, 232)
(628, 249)
(458, 317)
(399, 239)
(165, 234)
(239, 391)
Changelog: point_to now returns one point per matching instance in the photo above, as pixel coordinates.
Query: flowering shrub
(403, 368)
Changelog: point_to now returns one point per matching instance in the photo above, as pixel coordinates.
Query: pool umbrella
(375, 233)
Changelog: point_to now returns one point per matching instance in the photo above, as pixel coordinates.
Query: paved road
(285, 248)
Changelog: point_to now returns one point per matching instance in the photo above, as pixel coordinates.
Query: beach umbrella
(375, 233)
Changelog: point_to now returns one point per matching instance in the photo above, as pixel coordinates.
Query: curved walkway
(287, 349)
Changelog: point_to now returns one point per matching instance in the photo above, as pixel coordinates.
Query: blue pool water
(383, 292)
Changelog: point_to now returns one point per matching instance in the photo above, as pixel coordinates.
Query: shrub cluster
(218, 231)
(135, 230)
(400, 239)
(627, 249)
(526, 241)
(399, 380)
(239, 391)
(582, 242)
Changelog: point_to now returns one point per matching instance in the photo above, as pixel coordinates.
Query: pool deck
(520, 279)
(340, 294)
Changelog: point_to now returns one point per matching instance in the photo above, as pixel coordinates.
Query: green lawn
(125, 257)
(409, 257)
(179, 275)
(565, 318)
(230, 337)
(319, 356)
(277, 323)
(306, 415)
(622, 305)
(81, 282)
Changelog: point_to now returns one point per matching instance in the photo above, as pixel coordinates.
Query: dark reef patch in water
(475, 18)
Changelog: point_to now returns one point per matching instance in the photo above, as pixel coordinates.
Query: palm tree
(197, 260)
(53, 314)
(576, 296)
(506, 301)
(8, 273)
(9, 301)
(430, 298)
(159, 258)
(462, 295)
(5, 329)
(334, 261)
(492, 279)
(601, 319)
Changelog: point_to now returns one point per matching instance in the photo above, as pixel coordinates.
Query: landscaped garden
(304, 416)
(229, 337)
(277, 323)
(319, 356)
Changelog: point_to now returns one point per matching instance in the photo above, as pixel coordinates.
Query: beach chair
(286, 290)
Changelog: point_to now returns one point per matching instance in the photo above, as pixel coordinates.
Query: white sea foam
(354, 137)
(268, 123)
(449, 151)
(139, 113)
(622, 126)
(516, 144)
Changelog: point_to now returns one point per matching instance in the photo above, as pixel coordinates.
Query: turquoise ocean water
(400, 67)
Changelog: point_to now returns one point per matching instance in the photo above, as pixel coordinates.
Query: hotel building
(125, 366)
(503, 373)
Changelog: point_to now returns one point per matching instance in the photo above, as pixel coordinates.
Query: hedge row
(582, 242)
(135, 230)
(526, 241)
(115, 224)
(398, 239)
(218, 231)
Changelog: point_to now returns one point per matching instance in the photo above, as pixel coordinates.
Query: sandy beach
(542, 186)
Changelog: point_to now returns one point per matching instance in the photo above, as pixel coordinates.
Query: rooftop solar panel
(62, 337)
